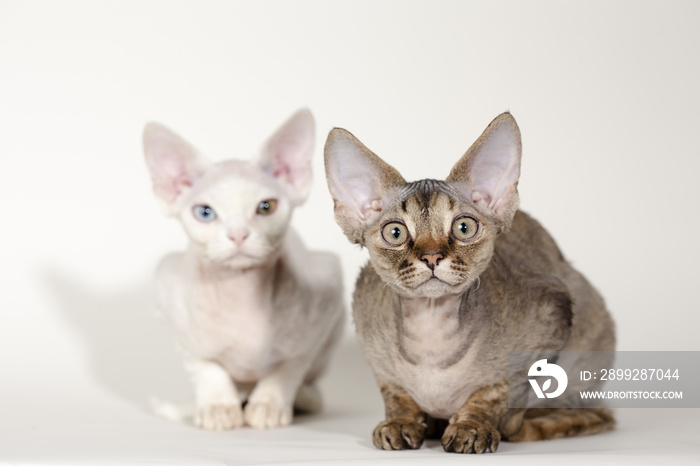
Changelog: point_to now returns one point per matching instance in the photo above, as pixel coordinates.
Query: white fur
(253, 312)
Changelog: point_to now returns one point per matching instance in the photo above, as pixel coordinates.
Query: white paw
(267, 415)
(219, 417)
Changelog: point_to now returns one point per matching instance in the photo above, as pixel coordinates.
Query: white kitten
(253, 312)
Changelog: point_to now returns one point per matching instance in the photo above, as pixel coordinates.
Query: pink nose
(432, 259)
(239, 236)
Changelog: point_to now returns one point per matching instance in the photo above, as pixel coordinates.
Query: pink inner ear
(282, 170)
(286, 155)
(170, 175)
(173, 163)
(294, 177)
(477, 197)
(494, 167)
(180, 183)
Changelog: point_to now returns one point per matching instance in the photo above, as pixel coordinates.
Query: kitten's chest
(432, 332)
(232, 321)
(435, 355)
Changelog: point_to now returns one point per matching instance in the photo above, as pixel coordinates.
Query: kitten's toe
(219, 417)
(260, 415)
(466, 437)
(399, 434)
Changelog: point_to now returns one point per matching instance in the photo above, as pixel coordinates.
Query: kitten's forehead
(233, 182)
(427, 188)
(426, 194)
(236, 170)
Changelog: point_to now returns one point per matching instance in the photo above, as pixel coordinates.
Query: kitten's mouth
(240, 257)
(433, 287)
(436, 282)
(432, 280)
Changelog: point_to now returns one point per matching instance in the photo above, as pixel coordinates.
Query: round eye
(204, 213)
(465, 228)
(395, 233)
(267, 207)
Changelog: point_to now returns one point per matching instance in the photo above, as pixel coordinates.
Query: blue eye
(204, 213)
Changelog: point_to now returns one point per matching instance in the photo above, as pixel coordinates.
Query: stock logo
(542, 368)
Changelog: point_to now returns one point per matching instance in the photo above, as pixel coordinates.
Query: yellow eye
(395, 233)
(267, 207)
(465, 228)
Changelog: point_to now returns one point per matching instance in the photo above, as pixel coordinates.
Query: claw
(399, 434)
(463, 437)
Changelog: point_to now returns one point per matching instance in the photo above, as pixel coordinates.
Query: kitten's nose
(238, 236)
(432, 259)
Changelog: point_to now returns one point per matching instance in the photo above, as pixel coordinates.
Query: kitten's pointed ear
(174, 164)
(359, 181)
(286, 154)
(488, 172)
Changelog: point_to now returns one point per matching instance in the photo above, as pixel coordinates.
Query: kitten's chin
(238, 261)
(242, 262)
(433, 288)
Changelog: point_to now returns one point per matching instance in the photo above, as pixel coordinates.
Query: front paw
(399, 434)
(470, 437)
(265, 415)
(219, 417)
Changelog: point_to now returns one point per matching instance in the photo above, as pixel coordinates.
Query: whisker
(395, 284)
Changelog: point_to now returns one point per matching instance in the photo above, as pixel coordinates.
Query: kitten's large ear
(489, 171)
(286, 154)
(358, 180)
(173, 163)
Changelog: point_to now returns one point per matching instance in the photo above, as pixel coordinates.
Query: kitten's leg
(217, 404)
(270, 403)
(405, 424)
(545, 424)
(474, 428)
(308, 398)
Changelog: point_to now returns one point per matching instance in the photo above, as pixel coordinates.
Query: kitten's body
(254, 313)
(441, 350)
(241, 318)
(458, 278)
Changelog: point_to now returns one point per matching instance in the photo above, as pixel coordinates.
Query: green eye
(395, 233)
(266, 207)
(465, 228)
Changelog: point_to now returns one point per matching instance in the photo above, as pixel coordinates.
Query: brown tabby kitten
(458, 277)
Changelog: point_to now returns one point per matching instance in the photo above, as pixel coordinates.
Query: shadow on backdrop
(130, 353)
(132, 356)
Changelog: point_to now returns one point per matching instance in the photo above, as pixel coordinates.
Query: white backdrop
(605, 93)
